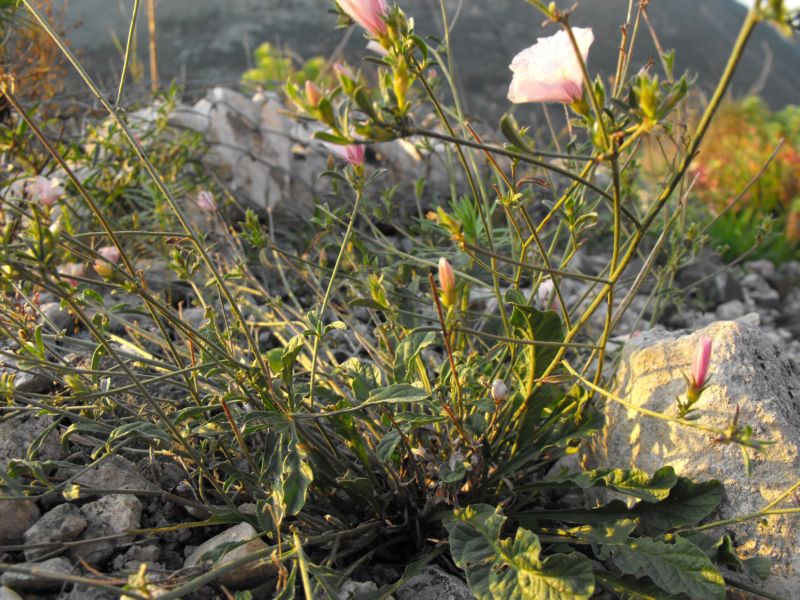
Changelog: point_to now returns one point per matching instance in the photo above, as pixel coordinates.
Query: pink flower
(549, 71)
(447, 282)
(74, 269)
(344, 70)
(367, 13)
(354, 153)
(702, 358)
(376, 48)
(205, 202)
(45, 191)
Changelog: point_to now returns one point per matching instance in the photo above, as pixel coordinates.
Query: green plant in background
(365, 411)
(274, 67)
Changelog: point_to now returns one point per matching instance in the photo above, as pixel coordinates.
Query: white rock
(245, 575)
(434, 584)
(748, 371)
(109, 515)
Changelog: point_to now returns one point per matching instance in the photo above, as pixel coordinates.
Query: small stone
(432, 583)
(245, 575)
(34, 581)
(732, 310)
(764, 267)
(62, 524)
(115, 473)
(109, 515)
(16, 516)
(357, 589)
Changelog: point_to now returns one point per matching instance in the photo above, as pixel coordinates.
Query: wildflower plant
(371, 401)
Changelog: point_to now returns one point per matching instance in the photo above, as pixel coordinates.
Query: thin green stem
(128, 49)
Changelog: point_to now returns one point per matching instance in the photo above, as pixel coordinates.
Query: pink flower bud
(545, 293)
(549, 71)
(344, 70)
(205, 202)
(109, 255)
(354, 153)
(447, 282)
(702, 358)
(367, 13)
(313, 94)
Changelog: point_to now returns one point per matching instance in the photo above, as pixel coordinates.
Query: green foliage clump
(275, 67)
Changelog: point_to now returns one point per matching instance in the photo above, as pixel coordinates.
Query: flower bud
(313, 93)
(206, 202)
(354, 154)
(499, 391)
(367, 13)
(103, 265)
(447, 282)
(702, 358)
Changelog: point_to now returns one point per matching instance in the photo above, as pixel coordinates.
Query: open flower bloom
(549, 71)
(206, 202)
(45, 191)
(367, 13)
(354, 153)
(702, 359)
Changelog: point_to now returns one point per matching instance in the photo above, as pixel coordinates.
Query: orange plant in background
(28, 55)
(740, 142)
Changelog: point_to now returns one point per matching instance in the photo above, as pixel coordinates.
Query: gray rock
(26, 380)
(764, 267)
(708, 277)
(758, 289)
(109, 515)
(34, 581)
(731, 310)
(245, 575)
(60, 318)
(17, 435)
(787, 278)
(434, 584)
(62, 524)
(357, 590)
(115, 473)
(85, 592)
(747, 371)
(16, 516)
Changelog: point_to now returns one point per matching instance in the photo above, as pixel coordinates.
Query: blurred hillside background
(212, 43)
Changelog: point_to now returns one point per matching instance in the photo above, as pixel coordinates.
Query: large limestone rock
(748, 372)
(271, 162)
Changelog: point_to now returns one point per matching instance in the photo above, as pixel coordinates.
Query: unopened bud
(313, 93)
(447, 282)
(499, 391)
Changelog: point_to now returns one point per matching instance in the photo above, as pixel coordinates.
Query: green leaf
(387, 446)
(688, 503)
(676, 568)
(759, 566)
(632, 482)
(408, 350)
(513, 568)
(399, 392)
(630, 589)
(297, 478)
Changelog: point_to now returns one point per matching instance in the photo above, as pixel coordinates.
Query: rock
(85, 592)
(747, 371)
(34, 581)
(7, 593)
(352, 590)
(135, 556)
(759, 291)
(109, 515)
(245, 575)
(710, 278)
(16, 516)
(17, 435)
(59, 317)
(731, 310)
(115, 473)
(764, 267)
(786, 278)
(62, 524)
(26, 380)
(434, 584)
